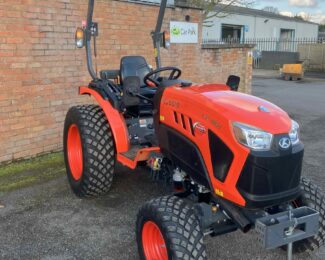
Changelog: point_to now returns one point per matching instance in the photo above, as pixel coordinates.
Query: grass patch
(30, 172)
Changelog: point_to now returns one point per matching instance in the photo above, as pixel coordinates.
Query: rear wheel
(312, 197)
(167, 228)
(89, 151)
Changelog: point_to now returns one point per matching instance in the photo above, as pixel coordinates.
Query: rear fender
(114, 118)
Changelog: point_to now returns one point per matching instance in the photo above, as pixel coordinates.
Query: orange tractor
(234, 160)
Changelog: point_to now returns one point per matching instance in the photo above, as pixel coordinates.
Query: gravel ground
(46, 221)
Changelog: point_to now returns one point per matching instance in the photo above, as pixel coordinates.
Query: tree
(322, 28)
(217, 8)
(303, 16)
(271, 9)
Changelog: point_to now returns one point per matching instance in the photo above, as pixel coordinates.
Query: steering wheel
(175, 73)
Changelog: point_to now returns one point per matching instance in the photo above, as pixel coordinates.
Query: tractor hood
(247, 109)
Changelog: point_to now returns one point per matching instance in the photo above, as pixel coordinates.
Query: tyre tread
(313, 197)
(98, 151)
(180, 226)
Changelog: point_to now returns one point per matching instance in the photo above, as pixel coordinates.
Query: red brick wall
(40, 69)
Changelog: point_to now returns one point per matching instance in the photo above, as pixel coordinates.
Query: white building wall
(259, 27)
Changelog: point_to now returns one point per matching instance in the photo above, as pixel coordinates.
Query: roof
(260, 13)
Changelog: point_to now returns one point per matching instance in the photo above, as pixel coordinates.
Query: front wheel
(168, 228)
(313, 197)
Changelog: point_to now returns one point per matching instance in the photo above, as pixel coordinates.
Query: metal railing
(267, 44)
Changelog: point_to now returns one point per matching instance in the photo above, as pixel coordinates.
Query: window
(287, 37)
(287, 34)
(231, 33)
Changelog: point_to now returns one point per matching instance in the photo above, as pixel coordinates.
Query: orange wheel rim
(153, 242)
(74, 148)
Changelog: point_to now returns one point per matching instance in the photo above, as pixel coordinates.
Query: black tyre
(167, 228)
(89, 151)
(313, 197)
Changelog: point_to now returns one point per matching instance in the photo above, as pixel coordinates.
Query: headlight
(252, 137)
(294, 133)
(80, 37)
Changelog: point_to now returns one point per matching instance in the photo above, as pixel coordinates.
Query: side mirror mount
(80, 37)
(233, 82)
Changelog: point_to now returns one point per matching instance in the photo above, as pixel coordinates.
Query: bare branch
(218, 8)
(271, 9)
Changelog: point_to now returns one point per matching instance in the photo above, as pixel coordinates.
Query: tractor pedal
(132, 153)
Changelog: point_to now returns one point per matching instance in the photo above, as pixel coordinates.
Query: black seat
(132, 66)
(136, 66)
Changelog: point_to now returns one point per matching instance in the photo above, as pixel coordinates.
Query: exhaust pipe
(236, 215)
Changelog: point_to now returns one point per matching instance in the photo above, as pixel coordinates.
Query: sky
(314, 9)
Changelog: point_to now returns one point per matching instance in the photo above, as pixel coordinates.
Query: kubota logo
(285, 143)
(199, 128)
(263, 109)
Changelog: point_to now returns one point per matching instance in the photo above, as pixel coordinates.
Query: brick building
(40, 68)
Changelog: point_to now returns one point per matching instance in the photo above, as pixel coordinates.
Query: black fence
(279, 48)
(268, 44)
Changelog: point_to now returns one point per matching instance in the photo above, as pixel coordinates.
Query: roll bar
(88, 31)
(156, 36)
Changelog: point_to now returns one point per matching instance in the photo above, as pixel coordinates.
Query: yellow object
(80, 33)
(118, 80)
(79, 38)
(166, 40)
(219, 192)
(214, 209)
(296, 69)
(156, 164)
(250, 58)
(162, 118)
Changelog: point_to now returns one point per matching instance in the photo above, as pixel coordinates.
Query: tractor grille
(264, 176)
(267, 180)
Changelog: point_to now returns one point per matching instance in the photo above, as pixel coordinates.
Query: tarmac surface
(46, 221)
